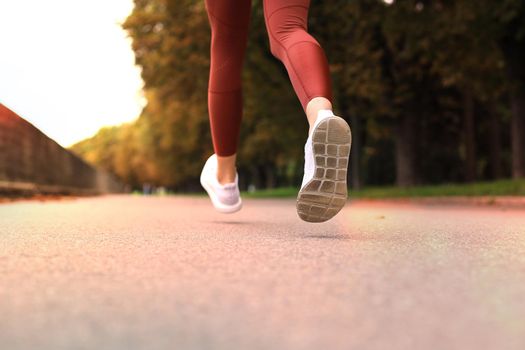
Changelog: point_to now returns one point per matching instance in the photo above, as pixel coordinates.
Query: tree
(511, 17)
(423, 84)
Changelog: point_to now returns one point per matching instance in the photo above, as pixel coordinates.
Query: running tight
(303, 57)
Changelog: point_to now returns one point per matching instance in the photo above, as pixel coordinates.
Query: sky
(67, 67)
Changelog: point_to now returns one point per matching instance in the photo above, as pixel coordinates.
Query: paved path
(168, 273)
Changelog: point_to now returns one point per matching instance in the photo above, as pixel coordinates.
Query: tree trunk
(355, 153)
(255, 178)
(406, 169)
(518, 132)
(354, 172)
(469, 130)
(270, 176)
(494, 143)
(353, 175)
(514, 55)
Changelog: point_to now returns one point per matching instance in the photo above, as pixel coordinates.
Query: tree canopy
(434, 92)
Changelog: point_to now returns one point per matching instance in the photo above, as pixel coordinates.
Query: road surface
(128, 272)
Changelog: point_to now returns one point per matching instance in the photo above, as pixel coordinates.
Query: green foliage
(404, 69)
(492, 188)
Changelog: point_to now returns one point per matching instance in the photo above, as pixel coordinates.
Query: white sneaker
(323, 191)
(225, 198)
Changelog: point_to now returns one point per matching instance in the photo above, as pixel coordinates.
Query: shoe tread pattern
(325, 195)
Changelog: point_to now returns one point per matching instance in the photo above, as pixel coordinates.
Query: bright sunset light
(67, 66)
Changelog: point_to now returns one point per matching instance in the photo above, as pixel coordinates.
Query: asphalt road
(169, 273)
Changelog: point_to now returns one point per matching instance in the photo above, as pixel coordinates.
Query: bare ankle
(226, 177)
(226, 170)
(314, 106)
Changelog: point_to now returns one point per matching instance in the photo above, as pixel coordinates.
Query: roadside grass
(492, 188)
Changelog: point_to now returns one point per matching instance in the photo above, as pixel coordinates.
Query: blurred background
(101, 97)
(434, 92)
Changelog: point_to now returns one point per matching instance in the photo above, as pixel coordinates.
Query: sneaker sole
(220, 207)
(326, 193)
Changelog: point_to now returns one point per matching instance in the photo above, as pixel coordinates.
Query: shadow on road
(223, 222)
(334, 236)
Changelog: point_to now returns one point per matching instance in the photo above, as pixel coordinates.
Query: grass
(493, 188)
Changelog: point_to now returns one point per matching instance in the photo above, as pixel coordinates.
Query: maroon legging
(303, 57)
